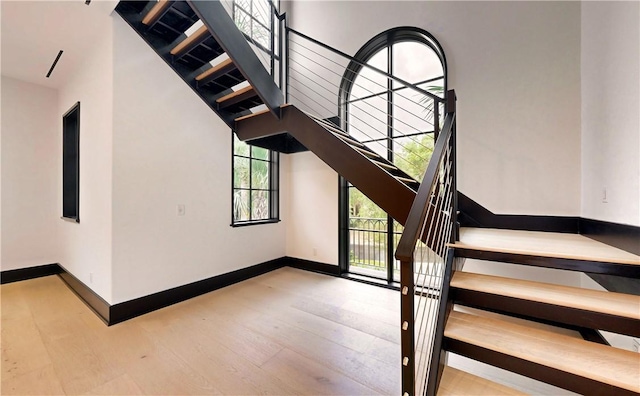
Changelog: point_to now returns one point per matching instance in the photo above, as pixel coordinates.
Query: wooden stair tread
(590, 300)
(455, 382)
(384, 165)
(235, 93)
(543, 244)
(156, 11)
(590, 360)
(225, 63)
(366, 152)
(257, 113)
(348, 139)
(405, 179)
(196, 36)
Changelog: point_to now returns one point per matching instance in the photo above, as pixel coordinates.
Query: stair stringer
(393, 196)
(231, 39)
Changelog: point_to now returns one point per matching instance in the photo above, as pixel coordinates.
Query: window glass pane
(414, 62)
(261, 11)
(241, 205)
(241, 172)
(259, 175)
(259, 153)
(412, 154)
(239, 147)
(368, 81)
(261, 35)
(259, 205)
(412, 112)
(368, 118)
(435, 87)
(243, 21)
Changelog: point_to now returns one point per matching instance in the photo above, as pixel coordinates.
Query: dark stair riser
(596, 267)
(549, 313)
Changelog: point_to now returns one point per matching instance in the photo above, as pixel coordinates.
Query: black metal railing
(426, 263)
(315, 82)
(368, 245)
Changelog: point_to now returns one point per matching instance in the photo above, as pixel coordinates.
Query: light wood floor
(288, 332)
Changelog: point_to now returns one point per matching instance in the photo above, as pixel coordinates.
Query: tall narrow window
(255, 19)
(71, 164)
(255, 184)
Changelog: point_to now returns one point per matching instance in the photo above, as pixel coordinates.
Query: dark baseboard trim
(96, 303)
(622, 236)
(313, 266)
(21, 274)
(140, 306)
(472, 214)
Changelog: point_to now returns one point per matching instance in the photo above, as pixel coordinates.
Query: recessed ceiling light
(55, 62)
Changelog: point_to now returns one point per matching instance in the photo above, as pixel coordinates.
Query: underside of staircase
(491, 319)
(219, 65)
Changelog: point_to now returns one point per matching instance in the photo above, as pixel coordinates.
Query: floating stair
(615, 312)
(587, 366)
(458, 383)
(567, 362)
(212, 60)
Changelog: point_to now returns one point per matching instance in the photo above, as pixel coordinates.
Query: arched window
(384, 103)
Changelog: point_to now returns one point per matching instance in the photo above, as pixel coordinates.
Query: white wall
(312, 210)
(86, 246)
(610, 59)
(31, 167)
(170, 148)
(516, 69)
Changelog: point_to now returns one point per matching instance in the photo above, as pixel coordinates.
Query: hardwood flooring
(288, 332)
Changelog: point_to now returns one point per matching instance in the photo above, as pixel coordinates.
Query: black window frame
(273, 160)
(383, 41)
(71, 164)
(267, 47)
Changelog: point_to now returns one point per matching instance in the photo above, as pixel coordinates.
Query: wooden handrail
(419, 209)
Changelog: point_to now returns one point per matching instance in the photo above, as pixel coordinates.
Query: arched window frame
(378, 43)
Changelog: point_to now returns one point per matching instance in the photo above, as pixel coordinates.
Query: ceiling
(33, 32)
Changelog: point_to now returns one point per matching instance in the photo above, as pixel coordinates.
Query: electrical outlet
(315, 252)
(604, 195)
(181, 210)
(90, 277)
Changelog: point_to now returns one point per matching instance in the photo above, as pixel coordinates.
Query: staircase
(444, 309)
(586, 366)
(240, 90)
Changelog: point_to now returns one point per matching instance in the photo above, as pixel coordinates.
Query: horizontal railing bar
(370, 105)
(344, 55)
(359, 130)
(361, 120)
(399, 137)
(346, 68)
(373, 95)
